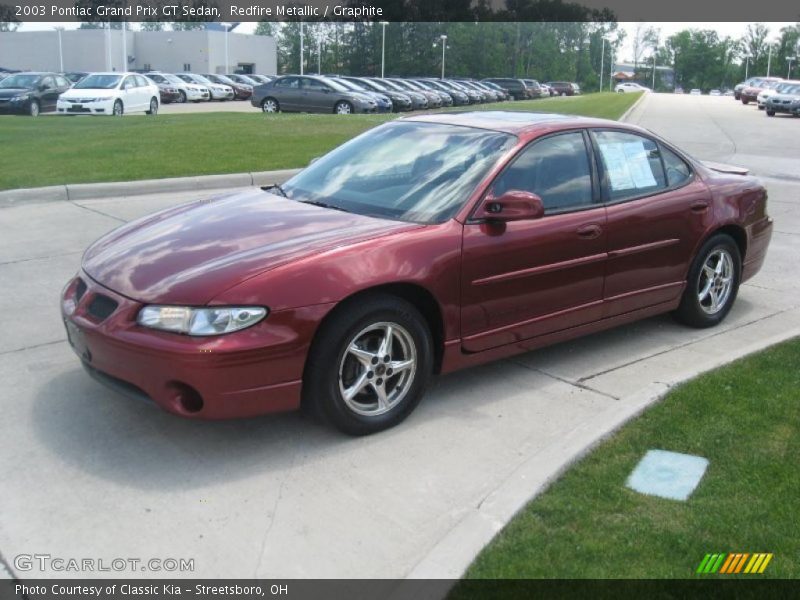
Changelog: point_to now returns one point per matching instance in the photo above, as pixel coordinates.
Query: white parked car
(715, 93)
(628, 86)
(189, 92)
(695, 92)
(110, 94)
(778, 88)
(217, 90)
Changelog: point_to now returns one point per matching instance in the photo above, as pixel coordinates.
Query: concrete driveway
(85, 473)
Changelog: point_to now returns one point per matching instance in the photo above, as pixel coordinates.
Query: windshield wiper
(323, 205)
(277, 187)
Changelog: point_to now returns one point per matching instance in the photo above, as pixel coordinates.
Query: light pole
(443, 37)
(789, 59)
(301, 47)
(124, 46)
(227, 27)
(383, 45)
(60, 49)
(654, 72)
(319, 56)
(746, 64)
(602, 59)
(769, 58)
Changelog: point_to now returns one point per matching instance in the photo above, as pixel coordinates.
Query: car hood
(11, 92)
(784, 97)
(191, 253)
(75, 94)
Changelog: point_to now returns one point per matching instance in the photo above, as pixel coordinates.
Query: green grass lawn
(53, 150)
(745, 418)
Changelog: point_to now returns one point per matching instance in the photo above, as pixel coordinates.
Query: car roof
(514, 122)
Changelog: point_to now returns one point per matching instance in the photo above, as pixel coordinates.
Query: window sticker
(627, 165)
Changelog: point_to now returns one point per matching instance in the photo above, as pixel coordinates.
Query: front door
(522, 279)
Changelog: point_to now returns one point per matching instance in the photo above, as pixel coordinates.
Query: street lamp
(227, 27)
(124, 29)
(789, 60)
(383, 45)
(602, 60)
(319, 56)
(443, 37)
(747, 58)
(301, 47)
(654, 71)
(60, 49)
(769, 58)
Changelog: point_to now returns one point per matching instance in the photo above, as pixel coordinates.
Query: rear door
(288, 94)
(528, 278)
(49, 94)
(657, 212)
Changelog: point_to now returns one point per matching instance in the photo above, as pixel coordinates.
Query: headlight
(200, 321)
(20, 97)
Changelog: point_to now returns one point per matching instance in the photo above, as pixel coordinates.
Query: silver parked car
(303, 93)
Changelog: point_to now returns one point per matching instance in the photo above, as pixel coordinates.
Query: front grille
(80, 290)
(101, 307)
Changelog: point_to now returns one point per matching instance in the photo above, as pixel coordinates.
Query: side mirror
(513, 205)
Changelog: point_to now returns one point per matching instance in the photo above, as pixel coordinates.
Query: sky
(734, 30)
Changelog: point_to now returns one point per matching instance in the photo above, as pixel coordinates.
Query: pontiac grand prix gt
(423, 246)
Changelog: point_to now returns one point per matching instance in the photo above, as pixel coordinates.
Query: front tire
(270, 105)
(181, 97)
(118, 109)
(712, 284)
(369, 365)
(343, 108)
(153, 107)
(34, 109)
(770, 113)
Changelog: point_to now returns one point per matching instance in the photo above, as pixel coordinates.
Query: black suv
(515, 88)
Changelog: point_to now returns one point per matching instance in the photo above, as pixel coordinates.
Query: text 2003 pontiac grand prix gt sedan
(423, 246)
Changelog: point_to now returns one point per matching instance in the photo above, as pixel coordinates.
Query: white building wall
(101, 50)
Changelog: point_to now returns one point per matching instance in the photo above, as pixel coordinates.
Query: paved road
(87, 473)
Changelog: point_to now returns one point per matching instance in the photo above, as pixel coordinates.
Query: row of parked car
(773, 95)
(117, 93)
(347, 94)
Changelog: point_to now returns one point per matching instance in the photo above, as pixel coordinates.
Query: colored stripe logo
(734, 562)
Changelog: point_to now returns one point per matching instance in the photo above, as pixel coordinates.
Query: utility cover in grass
(667, 474)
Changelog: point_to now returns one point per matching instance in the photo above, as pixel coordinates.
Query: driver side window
(555, 168)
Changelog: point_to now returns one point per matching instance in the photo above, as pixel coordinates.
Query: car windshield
(200, 78)
(21, 81)
(187, 78)
(378, 86)
(349, 85)
(336, 85)
(98, 82)
(224, 79)
(392, 85)
(408, 171)
(172, 78)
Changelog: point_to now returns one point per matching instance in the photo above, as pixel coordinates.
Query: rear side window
(631, 163)
(678, 172)
(556, 169)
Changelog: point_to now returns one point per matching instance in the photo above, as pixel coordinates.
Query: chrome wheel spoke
(380, 393)
(714, 299)
(706, 289)
(359, 385)
(398, 366)
(386, 343)
(362, 356)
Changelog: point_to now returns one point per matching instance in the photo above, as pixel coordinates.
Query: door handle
(589, 232)
(700, 206)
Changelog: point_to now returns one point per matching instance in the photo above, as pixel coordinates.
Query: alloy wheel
(269, 106)
(343, 108)
(377, 369)
(34, 109)
(715, 283)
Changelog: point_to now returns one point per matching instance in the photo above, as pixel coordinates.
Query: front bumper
(197, 95)
(222, 95)
(15, 108)
(102, 107)
(254, 371)
(782, 107)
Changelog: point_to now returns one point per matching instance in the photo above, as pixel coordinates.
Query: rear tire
(357, 380)
(712, 284)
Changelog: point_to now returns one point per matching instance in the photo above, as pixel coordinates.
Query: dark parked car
(515, 88)
(75, 76)
(459, 97)
(504, 94)
(446, 98)
(31, 93)
(534, 89)
(241, 91)
(418, 100)
(433, 98)
(400, 100)
(425, 245)
(382, 100)
(260, 78)
(304, 93)
(243, 79)
(787, 101)
(564, 88)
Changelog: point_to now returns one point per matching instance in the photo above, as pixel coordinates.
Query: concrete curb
(89, 191)
(453, 554)
(626, 115)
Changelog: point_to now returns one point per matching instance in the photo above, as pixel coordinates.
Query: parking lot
(90, 474)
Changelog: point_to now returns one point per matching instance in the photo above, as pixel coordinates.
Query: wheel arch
(413, 293)
(737, 232)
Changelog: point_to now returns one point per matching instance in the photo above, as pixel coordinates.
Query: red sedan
(426, 245)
